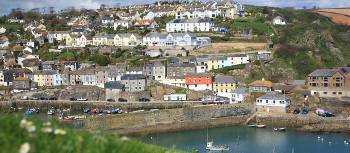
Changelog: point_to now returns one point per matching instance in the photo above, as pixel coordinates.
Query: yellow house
(217, 63)
(224, 85)
(39, 78)
(69, 40)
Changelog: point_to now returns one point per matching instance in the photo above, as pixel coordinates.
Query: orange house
(199, 81)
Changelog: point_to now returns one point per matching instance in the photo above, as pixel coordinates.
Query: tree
(102, 60)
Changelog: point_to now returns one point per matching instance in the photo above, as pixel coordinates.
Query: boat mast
(207, 136)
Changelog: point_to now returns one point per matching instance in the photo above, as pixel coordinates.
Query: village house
(121, 24)
(31, 64)
(180, 69)
(127, 40)
(2, 30)
(4, 42)
(146, 24)
(177, 81)
(330, 82)
(175, 97)
(238, 59)
(189, 25)
(115, 72)
(174, 39)
(113, 89)
(260, 86)
(217, 62)
(107, 21)
(103, 39)
(278, 20)
(134, 82)
(22, 84)
(199, 81)
(47, 78)
(224, 85)
(49, 65)
(81, 40)
(239, 95)
(101, 74)
(70, 65)
(86, 76)
(57, 36)
(198, 14)
(7, 76)
(155, 71)
(273, 102)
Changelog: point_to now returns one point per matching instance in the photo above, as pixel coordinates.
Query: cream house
(127, 40)
(103, 39)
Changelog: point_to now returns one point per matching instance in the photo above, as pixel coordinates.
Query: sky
(7, 5)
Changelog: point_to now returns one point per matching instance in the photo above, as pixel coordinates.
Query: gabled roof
(224, 79)
(261, 83)
(274, 96)
(114, 85)
(133, 77)
(323, 73)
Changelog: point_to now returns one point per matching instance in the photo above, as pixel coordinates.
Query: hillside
(309, 41)
(26, 136)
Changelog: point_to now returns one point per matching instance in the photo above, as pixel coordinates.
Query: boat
(212, 147)
(261, 126)
(251, 125)
(51, 112)
(279, 129)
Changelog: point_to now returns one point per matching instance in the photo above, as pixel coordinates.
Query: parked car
(122, 100)
(110, 100)
(305, 111)
(72, 99)
(323, 113)
(34, 98)
(82, 99)
(296, 111)
(52, 98)
(24, 98)
(144, 100)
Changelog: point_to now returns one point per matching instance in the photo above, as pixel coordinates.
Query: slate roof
(323, 73)
(274, 96)
(241, 90)
(224, 79)
(133, 77)
(114, 85)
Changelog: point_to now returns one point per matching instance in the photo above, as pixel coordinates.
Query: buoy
(345, 142)
(330, 142)
(151, 138)
(318, 137)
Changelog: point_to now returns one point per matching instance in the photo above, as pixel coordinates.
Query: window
(325, 93)
(340, 93)
(281, 102)
(334, 93)
(267, 101)
(325, 84)
(274, 102)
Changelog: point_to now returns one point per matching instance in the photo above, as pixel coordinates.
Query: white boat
(212, 147)
(279, 129)
(81, 99)
(51, 112)
(261, 126)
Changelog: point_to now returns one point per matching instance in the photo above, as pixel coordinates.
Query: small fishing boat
(261, 126)
(251, 125)
(51, 112)
(212, 147)
(279, 129)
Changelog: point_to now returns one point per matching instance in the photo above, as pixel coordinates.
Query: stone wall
(79, 106)
(171, 119)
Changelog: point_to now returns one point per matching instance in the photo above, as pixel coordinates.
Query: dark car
(122, 100)
(52, 98)
(328, 114)
(110, 100)
(43, 98)
(72, 99)
(144, 100)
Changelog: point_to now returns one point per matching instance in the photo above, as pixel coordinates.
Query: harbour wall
(80, 105)
(166, 120)
(309, 123)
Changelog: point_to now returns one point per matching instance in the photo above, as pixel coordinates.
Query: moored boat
(261, 126)
(212, 147)
(279, 129)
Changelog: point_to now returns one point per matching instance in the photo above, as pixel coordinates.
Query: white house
(239, 95)
(189, 25)
(238, 59)
(121, 24)
(2, 30)
(4, 43)
(107, 20)
(279, 21)
(82, 41)
(273, 101)
(178, 81)
(198, 13)
(175, 97)
(57, 36)
(102, 39)
(127, 40)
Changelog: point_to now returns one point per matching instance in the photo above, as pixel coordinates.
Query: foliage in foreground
(31, 136)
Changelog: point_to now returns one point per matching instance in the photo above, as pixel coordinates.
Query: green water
(243, 139)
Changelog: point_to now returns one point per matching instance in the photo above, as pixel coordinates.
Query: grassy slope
(74, 141)
(310, 41)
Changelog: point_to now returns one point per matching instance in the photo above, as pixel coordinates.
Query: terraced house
(224, 85)
(330, 82)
